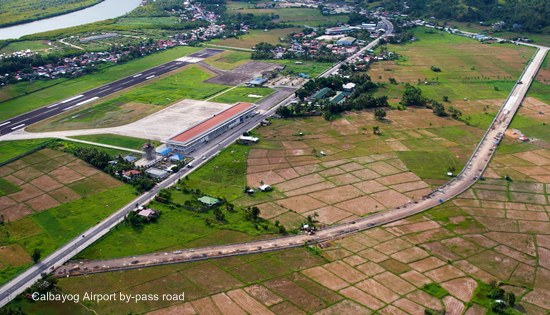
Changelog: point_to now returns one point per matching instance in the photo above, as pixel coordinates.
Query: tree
(445, 98)
(455, 113)
(510, 299)
(284, 111)
(218, 214)
(412, 96)
(379, 113)
(376, 130)
(252, 213)
(36, 254)
(438, 109)
(164, 196)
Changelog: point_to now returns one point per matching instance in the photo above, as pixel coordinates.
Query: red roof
(212, 122)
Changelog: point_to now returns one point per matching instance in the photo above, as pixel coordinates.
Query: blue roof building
(164, 151)
(176, 157)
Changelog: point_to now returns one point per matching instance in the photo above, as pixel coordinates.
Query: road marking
(138, 75)
(104, 87)
(54, 105)
(150, 77)
(72, 99)
(3, 124)
(18, 126)
(81, 103)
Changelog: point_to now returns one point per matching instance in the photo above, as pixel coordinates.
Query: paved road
(48, 111)
(473, 169)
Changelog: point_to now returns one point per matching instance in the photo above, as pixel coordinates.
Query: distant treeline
(527, 15)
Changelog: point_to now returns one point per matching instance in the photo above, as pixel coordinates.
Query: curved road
(476, 165)
(473, 169)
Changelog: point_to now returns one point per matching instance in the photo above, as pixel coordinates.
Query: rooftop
(212, 122)
(208, 200)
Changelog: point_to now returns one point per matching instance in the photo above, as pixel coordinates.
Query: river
(105, 10)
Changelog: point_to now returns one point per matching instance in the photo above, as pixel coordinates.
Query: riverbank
(87, 4)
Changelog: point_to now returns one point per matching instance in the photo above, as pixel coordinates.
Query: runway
(95, 94)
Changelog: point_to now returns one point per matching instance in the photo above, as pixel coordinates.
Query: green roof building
(209, 201)
(321, 93)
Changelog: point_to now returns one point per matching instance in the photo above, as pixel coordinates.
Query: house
(157, 173)
(148, 213)
(265, 187)
(131, 173)
(164, 151)
(348, 87)
(209, 201)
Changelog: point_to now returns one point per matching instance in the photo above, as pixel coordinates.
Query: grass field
(17, 11)
(432, 165)
(67, 88)
(243, 94)
(117, 140)
(11, 149)
(301, 16)
(256, 36)
(138, 102)
(34, 45)
(228, 60)
(312, 69)
(469, 69)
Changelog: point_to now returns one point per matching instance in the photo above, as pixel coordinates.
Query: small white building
(265, 187)
(348, 87)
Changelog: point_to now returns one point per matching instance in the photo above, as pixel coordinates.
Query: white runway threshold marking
(81, 103)
(138, 75)
(3, 124)
(72, 99)
(18, 126)
(150, 77)
(190, 59)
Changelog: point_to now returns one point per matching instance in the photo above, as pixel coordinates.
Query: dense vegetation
(21, 11)
(528, 15)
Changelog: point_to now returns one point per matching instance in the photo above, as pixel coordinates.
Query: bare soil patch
(444, 273)
(425, 300)
(370, 186)
(16, 212)
(394, 283)
(27, 174)
(300, 204)
(410, 254)
(14, 255)
(64, 195)
(494, 263)
(46, 183)
(427, 264)
(42, 203)
(462, 288)
(344, 307)
(329, 214)
(226, 305)
(65, 175)
(295, 294)
(378, 290)
(325, 278)
(344, 179)
(453, 306)
(361, 206)
(416, 278)
(287, 173)
(263, 294)
(390, 198)
(366, 174)
(300, 182)
(363, 298)
(270, 210)
(398, 179)
(27, 192)
(309, 189)
(338, 194)
(528, 198)
(383, 168)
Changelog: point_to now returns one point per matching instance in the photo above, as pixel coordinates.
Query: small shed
(346, 41)
(164, 151)
(209, 201)
(176, 157)
(130, 158)
(157, 173)
(265, 187)
(147, 213)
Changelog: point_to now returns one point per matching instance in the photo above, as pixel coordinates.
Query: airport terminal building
(194, 137)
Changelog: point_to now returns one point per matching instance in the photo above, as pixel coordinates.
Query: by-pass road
(472, 171)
